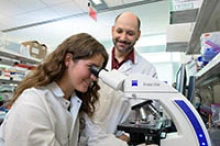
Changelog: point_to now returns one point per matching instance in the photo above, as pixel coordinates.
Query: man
(125, 33)
(114, 108)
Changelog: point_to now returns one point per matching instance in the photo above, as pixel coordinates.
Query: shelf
(208, 20)
(7, 55)
(9, 80)
(13, 55)
(210, 72)
(177, 37)
(185, 16)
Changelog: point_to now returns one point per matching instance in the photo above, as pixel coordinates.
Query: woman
(47, 102)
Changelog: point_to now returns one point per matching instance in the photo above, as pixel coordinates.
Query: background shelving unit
(9, 79)
(210, 73)
(13, 58)
(17, 56)
(207, 82)
(208, 20)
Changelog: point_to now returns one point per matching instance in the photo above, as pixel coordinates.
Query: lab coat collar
(57, 91)
(129, 56)
(126, 65)
(136, 57)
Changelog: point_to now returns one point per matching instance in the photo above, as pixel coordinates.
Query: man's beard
(126, 49)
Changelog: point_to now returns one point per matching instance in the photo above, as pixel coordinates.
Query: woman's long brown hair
(81, 46)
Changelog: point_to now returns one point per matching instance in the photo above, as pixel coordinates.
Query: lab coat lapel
(126, 67)
(75, 106)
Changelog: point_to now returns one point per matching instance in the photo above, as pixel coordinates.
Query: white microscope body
(190, 128)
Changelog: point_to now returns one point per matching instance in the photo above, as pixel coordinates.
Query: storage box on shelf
(210, 46)
(33, 49)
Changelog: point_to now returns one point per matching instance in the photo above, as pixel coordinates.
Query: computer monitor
(181, 79)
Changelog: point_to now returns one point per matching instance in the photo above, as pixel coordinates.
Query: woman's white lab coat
(40, 117)
(95, 136)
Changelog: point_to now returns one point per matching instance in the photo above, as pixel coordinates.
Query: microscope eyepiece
(95, 70)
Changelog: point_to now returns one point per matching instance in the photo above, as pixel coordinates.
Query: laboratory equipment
(175, 109)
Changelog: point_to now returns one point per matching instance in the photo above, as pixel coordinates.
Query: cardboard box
(36, 49)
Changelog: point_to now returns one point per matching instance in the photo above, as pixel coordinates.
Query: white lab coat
(93, 135)
(40, 118)
(114, 108)
(140, 66)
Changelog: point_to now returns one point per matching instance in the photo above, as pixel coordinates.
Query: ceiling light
(97, 2)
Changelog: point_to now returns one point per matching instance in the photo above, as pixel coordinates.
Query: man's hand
(124, 137)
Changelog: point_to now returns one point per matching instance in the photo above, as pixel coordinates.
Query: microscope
(160, 114)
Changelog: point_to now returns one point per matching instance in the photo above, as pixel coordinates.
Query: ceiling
(51, 21)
